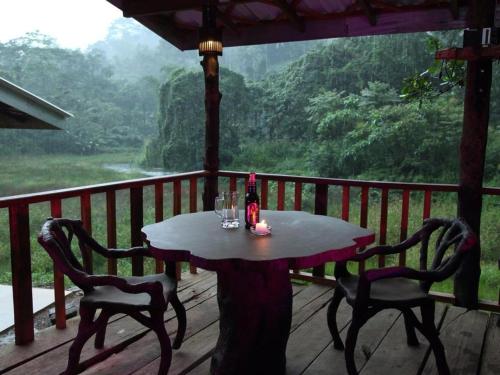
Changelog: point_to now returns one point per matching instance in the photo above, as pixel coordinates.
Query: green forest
(377, 108)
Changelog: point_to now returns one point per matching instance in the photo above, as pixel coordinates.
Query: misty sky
(73, 23)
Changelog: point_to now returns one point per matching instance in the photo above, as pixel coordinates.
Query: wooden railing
(304, 193)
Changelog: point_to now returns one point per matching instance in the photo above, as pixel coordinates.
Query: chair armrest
(154, 289)
(127, 253)
(392, 272)
(403, 246)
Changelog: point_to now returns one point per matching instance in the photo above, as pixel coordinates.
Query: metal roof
(20, 109)
(248, 22)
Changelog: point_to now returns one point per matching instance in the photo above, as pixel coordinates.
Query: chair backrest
(453, 235)
(58, 245)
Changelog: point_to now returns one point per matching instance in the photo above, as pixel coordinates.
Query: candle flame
(263, 222)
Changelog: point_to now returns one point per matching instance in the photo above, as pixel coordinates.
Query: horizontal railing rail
(21, 234)
(321, 203)
(354, 195)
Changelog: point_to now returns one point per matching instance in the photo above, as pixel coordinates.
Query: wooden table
(253, 284)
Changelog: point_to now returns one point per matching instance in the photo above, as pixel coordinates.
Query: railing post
(176, 210)
(297, 201)
(159, 267)
(111, 229)
(405, 207)
(193, 196)
(281, 196)
(136, 224)
(264, 188)
(363, 220)
(384, 205)
(346, 198)
(320, 208)
(86, 215)
(427, 204)
(59, 297)
(21, 273)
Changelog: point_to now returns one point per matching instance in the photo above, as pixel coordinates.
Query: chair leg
(101, 333)
(86, 329)
(431, 333)
(180, 311)
(332, 319)
(350, 344)
(158, 326)
(411, 337)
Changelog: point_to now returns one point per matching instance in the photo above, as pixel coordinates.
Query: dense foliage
(337, 111)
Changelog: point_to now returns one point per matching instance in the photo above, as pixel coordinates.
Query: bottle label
(252, 213)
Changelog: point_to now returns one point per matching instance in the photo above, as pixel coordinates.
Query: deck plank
(51, 338)
(145, 353)
(462, 335)
(198, 349)
(381, 348)
(369, 338)
(119, 330)
(490, 361)
(393, 355)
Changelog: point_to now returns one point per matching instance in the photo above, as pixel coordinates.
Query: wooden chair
(112, 294)
(397, 287)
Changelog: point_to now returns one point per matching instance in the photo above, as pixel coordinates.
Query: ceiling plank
(290, 13)
(454, 8)
(369, 11)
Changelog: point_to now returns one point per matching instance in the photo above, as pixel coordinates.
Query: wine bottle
(251, 203)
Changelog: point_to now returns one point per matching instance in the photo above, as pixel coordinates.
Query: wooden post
(213, 97)
(472, 152)
(21, 273)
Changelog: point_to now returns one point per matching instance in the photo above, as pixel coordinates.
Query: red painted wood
(177, 196)
(427, 204)
(111, 229)
(320, 208)
(297, 202)
(384, 203)
(264, 187)
(358, 183)
(158, 202)
(176, 210)
(136, 223)
(346, 192)
(363, 220)
(246, 183)
(405, 207)
(469, 53)
(5, 202)
(159, 265)
(59, 297)
(193, 198)
(233, 184)
(193, 194)
(86, 216)
(21, 273)
(281, 196)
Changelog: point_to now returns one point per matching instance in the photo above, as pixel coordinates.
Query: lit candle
(261, 228)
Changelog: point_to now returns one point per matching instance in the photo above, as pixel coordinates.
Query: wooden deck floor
(471, 340)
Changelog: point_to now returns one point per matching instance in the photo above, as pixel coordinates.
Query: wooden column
(213, 97)
(472, 152)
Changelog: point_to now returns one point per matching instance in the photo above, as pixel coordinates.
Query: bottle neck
(252, 187)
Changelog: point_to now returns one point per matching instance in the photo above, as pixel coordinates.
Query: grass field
(33, 174)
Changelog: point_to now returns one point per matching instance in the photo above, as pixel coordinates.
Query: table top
(298, 238)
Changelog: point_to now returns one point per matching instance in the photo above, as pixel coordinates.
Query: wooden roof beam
(454, 9)
(369, 11)
(139, 8)
(291, 13)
